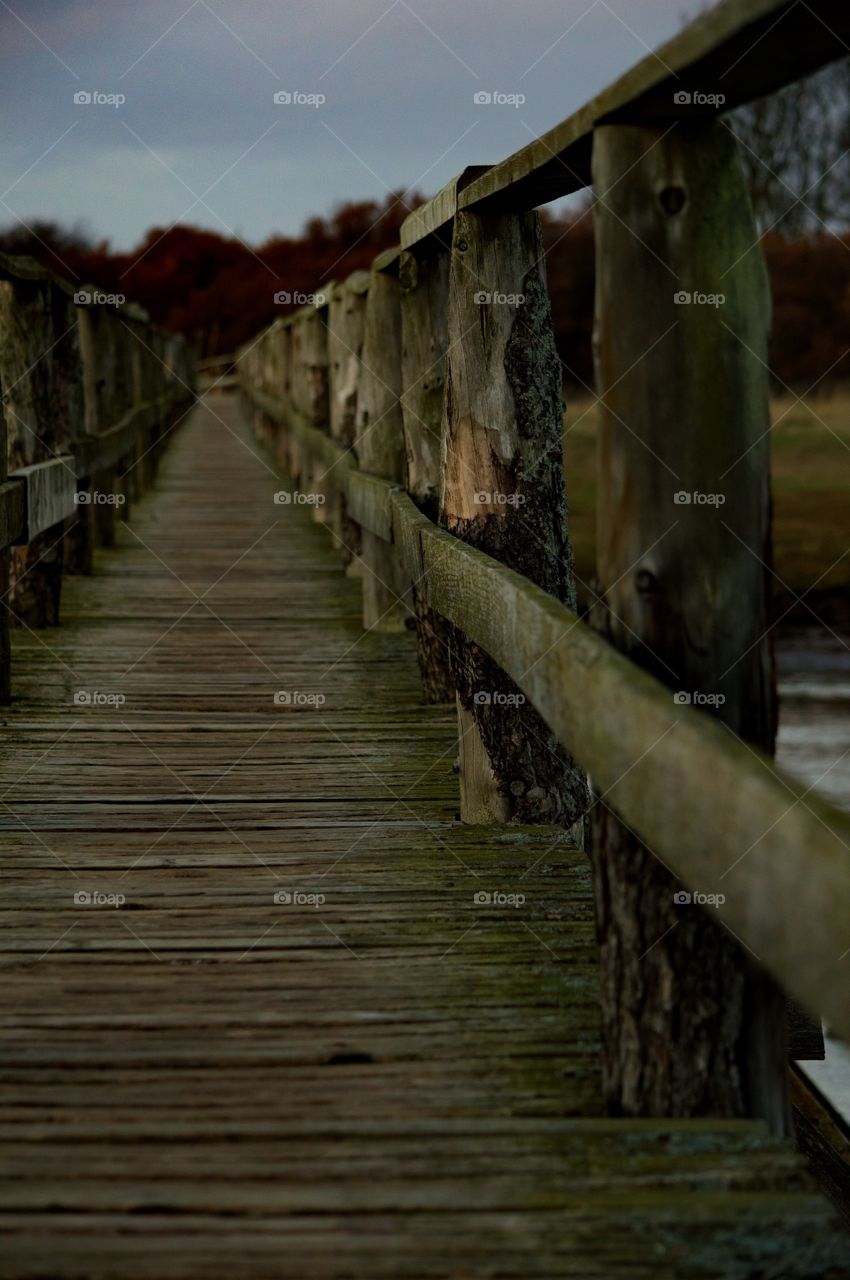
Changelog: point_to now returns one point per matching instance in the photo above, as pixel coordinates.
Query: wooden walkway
(379, 1074)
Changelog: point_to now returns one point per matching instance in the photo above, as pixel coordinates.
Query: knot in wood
(646, 581)
(672, 199)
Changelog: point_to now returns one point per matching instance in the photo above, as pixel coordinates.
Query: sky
(381, 97)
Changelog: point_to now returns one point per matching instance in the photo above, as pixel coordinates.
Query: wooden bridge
(322, 956)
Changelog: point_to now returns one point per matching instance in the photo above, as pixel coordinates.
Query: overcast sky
(201, 140)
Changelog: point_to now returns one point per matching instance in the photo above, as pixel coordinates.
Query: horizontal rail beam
(48, 495)
(37, 497)
(661, 766)
(742, 50)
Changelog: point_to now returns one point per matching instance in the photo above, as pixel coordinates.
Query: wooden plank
(401, 1082)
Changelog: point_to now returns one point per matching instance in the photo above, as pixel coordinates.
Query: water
(814, 745)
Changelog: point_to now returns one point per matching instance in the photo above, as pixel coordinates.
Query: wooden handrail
(723, 815)
(703, 797)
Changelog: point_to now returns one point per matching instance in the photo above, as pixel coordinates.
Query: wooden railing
(417, 407)
(90, 389)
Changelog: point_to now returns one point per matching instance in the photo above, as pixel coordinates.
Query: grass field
(811, 495)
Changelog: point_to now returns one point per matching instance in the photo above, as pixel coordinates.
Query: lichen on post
(503, 492)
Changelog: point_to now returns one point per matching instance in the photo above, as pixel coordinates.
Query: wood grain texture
(724, 817)
(502, 491)
(683, 561)
(400, 1081)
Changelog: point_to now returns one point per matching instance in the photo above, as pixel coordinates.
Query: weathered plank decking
(397, 1081)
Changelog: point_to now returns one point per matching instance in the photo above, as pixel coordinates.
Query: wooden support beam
(691, 1023)
(379, 444)
(424, 280)
(503, 492)
(346, 321)
(41, 372)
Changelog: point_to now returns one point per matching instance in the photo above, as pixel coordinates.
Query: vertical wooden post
(424, 280)
(5, 646)
(346, 318)
(315, 354)
(503, 491)
(284, 439)
(380, 441)
(40, 370)
(300, 394)
(691, 1025)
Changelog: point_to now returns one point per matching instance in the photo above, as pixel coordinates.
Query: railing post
(424, 279)
(380, 440)
(40, 375)
(691, 1024)
(5, 554)
(346, 319)
(503, 492)
(283, 440)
